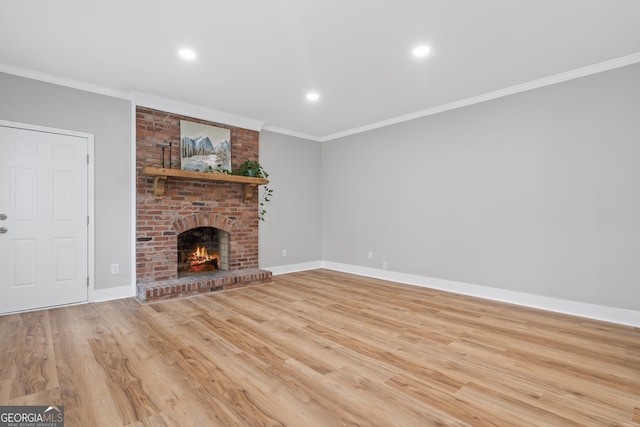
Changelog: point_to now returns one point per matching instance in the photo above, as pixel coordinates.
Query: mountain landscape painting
(204, 148)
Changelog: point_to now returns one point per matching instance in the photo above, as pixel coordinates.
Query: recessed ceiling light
(313, 96)
(421, 51)
(187, 54)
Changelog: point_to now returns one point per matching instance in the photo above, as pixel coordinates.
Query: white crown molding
(57, 80)
(195, 111)
(535, 84)
(292, 133)
(178, 107)
(139, 98)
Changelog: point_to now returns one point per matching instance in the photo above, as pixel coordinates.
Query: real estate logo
(31, 416)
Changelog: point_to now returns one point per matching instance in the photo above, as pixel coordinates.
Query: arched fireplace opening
(202, 250)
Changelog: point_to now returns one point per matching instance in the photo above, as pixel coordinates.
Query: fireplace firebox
(202, 250)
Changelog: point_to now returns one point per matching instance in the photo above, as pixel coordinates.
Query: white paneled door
(43, 219)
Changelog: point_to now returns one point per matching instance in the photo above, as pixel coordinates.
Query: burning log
(201, 260)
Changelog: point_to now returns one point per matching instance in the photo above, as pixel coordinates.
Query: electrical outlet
(284, 252)
(370, 255)
(115, 268)
(385, 265)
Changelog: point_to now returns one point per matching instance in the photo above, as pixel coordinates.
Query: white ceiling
(258, 58)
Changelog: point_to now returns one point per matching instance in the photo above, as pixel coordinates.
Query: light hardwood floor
(321, 348)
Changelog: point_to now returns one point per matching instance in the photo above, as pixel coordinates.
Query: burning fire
(202, 261)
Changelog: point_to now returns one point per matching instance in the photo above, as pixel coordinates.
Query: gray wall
(537, 192)
(109, 120)
(293, 219)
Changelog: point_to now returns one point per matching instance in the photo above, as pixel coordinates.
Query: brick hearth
(200, 284)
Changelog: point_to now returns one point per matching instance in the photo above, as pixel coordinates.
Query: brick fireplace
(195, 207)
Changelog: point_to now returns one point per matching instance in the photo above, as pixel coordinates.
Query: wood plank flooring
(321, 348)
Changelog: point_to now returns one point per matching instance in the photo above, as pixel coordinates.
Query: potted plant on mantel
(253, 169)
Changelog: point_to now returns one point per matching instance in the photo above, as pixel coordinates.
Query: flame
(201, 257)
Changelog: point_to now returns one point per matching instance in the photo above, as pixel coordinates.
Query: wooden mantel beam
(160, 176)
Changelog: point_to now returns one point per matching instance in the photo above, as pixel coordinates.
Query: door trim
(90, 191)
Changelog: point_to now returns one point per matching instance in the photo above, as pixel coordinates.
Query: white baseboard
(109, 294)
(293, 268)
(581, 309)
(575, 308)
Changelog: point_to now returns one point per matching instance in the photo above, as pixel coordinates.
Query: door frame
(90, 193)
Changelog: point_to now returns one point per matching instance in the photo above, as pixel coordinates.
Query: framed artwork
(204, 148)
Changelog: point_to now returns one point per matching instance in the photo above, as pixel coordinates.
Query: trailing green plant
(219, 169)
(253, 169)
(248, 168)
(266, 196)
